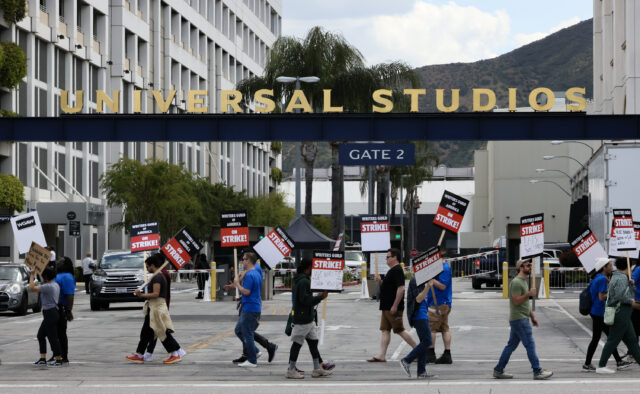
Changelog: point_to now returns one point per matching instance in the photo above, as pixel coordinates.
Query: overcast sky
(424, 32)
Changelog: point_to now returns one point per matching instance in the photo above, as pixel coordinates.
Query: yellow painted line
(284, 310)
(274, 309)
(220, 336)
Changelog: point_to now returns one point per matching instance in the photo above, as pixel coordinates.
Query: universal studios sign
(484, 100)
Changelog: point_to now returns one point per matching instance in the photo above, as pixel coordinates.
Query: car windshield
(354, 256)
(119, 261)
(9, 273)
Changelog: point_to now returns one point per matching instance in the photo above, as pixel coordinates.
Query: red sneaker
(134, 358)
(173, 360)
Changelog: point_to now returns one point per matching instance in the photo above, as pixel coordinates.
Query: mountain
(559, 61)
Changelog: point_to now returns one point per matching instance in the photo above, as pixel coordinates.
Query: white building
(616, 65)
(134, 47)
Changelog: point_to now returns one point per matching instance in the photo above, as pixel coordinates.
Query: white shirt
(86, 270)
(53, 256)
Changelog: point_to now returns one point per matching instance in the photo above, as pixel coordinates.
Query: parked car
(14, 290)
(488, 268)
(115, 279)
(284, 279)
(354, 258)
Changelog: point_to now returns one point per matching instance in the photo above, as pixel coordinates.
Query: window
(21, 162)
(93, 148)
(41, 60)
(77, 174)
(94, 179)
(61, 167)
(190, 158)
(40, 158)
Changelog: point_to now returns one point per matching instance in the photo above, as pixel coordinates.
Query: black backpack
(586, 302)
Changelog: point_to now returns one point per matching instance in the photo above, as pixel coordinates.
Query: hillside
(559, 61)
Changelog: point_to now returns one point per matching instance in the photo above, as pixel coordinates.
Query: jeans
(245, 328)
(520, 331)
(420, 352)
(621, 330)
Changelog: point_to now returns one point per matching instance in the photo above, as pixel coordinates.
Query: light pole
(550, 157)
(297, 80)
(559, 142)
(550, 181)
(540, 170)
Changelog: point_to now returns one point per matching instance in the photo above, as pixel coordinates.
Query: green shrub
(11, 193)
(348, 276)
(8, 114)
(14, 65)
(276, 147)
(276, 174)
(14, 10)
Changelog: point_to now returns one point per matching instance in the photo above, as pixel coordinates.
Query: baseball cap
(520, 262)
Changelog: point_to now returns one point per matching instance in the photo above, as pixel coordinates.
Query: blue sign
(376, 154)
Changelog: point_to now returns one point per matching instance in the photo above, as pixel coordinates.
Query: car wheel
(105, 305)
(38, 305)
(476, 284)
(95, 305)
(24, 304)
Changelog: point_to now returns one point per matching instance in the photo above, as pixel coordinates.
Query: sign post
(234, 232)
(532, 243)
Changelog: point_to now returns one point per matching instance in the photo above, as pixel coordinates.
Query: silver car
(14, 290)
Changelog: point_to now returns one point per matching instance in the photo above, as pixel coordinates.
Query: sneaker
(135, 358)
(299, 370)
(630, 358)
(328, 366)
(318, 373)
(293, 374)
(172, 360)
(181, 353)
(240, 359)
(41, 362)
(431, 356)
(445, 359)
(543, 374)
(501, 375)
(247, 364)
(55, 363)
(148, 357)
(588, 368)
(65, 361)
(623, 364)
(426, 376)
(272, 351)
(406, 367)
(258, 355)
(604, 370)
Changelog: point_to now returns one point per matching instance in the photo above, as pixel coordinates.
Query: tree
(270, 210)
(309, 151)
(13, 10)
(11, 193)
(13, 66)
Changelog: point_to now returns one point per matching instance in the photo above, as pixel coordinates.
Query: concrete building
(616, 65)
(132, 47)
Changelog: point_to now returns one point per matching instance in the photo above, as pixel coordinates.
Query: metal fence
(568, 278)
(465, 266)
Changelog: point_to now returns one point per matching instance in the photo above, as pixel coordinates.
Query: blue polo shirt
(445, 296)
(421, 314)
(67, 284)
(253, 282)
(636, 278)
(599, 284)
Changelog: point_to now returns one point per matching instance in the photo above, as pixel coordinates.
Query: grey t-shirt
(49, 294)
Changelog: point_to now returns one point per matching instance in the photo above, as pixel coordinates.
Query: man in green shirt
(519, 315)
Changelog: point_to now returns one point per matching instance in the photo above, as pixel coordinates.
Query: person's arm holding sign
(519, 299)
(32, 286)
(155, 294)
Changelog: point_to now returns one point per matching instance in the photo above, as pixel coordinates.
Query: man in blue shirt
(67, 283)
(439, 323)
(250, 289)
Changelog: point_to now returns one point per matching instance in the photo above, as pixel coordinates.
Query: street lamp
(297, 80)
(550, 181)
(540, 170)
(559, 142)
(567, 157)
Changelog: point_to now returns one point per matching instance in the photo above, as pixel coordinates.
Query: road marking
(589, 332)
(284, 310)
(396, 354)
(216, 338)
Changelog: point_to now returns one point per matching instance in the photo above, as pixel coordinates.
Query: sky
(425, 32)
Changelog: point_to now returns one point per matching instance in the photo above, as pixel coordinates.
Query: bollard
(364, 293)
(546, 279)
(213, 275)
(505, 279)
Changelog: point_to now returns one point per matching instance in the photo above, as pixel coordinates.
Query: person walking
(157, 321)
(304, 327)
(201, 277)
(439, 319)
(635, 313)
(620, 296)
(67, 283)
(251, 307)
(418, 319)
(88, 266)
(391, 305)
(519, 314)
(49, 293)
(598, 290)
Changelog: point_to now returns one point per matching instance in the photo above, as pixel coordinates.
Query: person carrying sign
(49, 293)
(519, 315)
(157, 321)
(439, 322)
(620, 296)
(304, 326)
(391, 305)
(418, 319)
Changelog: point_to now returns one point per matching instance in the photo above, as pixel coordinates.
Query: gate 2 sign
(376, 154)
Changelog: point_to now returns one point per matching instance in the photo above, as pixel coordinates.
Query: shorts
(440, 323)
(300, 332)
(389, 322)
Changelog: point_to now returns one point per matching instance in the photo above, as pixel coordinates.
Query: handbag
(610, 312)
(289, 327)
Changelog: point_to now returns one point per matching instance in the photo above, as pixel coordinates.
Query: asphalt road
(99, 341)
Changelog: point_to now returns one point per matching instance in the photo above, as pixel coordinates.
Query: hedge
(14, 10)
(14, 66)
(11, 193)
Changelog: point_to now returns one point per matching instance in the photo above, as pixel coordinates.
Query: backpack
(586, 302)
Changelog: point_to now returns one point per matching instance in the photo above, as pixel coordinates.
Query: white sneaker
(247, 364)
(148, 357)
(181, 352)
(258, 355)
(604, 370)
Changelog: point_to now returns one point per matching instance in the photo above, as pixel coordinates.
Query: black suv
(488, 269)
(117, 276)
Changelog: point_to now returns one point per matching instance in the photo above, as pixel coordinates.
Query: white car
(353, 258)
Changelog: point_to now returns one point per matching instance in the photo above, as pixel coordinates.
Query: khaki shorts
(389, 322)
(440, 323)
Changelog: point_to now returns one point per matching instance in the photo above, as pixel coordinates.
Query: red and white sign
(234, 230)
(274, 247)
(531, 235)
(326, 272)
(413, 252)
(451, 212)
(588, 249)
(428, 265)
(181, 248)
(145, 236)
(374, 233)
(623, 230)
